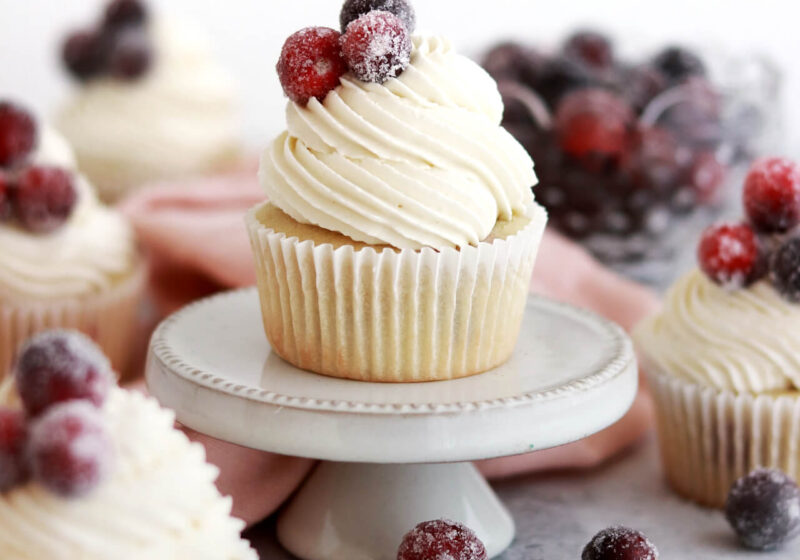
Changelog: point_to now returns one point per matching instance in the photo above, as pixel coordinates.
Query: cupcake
(723, 356)
(151, 104)
(400, 233)
(67, 261)
(89, 471)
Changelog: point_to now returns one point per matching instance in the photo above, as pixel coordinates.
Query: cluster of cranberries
(374, 45)
(58, 438)
(118, 46)
(39, 197)
(619, 148)
(736, 254)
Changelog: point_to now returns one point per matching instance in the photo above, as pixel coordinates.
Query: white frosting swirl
(91, 251)
(179, 119)
(743, 340)
(160, 502)
(418, 161)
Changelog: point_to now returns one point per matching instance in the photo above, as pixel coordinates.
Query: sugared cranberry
(13, 436)
(435, 540)
(354, 9)
(591, 48)
(6, 208)
(515, 62)
(729, 254)
(124, 13)
(84, 54)
(641, 84)
(785, 269)
(69, 449)
(772, 194)
(706, 176)
(130, 55)
(17, 134)
(619, 543)
(45, 197)
(764, 509)
(594, 122)
(696, 116)
(656, 163)
(311, 64)
(560, 76)
(58, 366)
(679, 63)
(376, 47)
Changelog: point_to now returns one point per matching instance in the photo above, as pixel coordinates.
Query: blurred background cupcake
(67, 260)
(150, 103)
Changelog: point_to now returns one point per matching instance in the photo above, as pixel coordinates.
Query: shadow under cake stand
(396, 454)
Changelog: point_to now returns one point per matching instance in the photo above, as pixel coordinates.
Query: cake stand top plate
(572, 374)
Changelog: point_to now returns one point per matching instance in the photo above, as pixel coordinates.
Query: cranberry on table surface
(17, 134)
(124, 13)
(679, 63)
(70, 449)
(772, 194)
(6, 186)
(619, 543)
(591, 48)
(376, 47)
(354, 9)
(84, 54)
(58, 366)
(729, 254)
(785, 269)
(44, 198)
(130, 55)
(763, 508)
(13, 437)
(439, 539)
(311, 64)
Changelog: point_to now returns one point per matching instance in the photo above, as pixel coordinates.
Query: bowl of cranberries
(634, 155)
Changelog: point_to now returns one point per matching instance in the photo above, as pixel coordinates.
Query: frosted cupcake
(151, 103)
(401, 232)
(723, 356)
(67, 261)
(89, 471)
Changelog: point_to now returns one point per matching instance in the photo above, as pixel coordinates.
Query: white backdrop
(248, 35)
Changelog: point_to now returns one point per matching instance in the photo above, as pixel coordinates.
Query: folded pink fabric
(195, 237)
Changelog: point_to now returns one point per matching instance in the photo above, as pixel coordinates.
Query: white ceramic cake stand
(397, 452)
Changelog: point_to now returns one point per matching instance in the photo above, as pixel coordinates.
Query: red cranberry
(594, 122)
(706, 176)
(678, 64)
(57, 366)
(84, 54)
(311, 64)
(641, 84)
(514, 62)
(785, 269)
(560, 76)
(376, 47)
(70, 449)
(656, 163)
(13, 436)
(434, 540)
(591, 48)
(354, 9)
(696, 118)
(729, 254)
(772, 194)
(124, 13)
(764, 509)
(130, 56)
(17, 134)
(45, 197)
(6, 186)
(619, 543)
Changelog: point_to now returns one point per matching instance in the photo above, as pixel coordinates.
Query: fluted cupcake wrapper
(709, 437)
(110, 318)
(393, 316)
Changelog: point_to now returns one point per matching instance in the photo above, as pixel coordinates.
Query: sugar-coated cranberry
(17, 134)
(619, 543)
(591, 48)
(729, 254)
(84, 54)
(439, 539)
(13, 437)
(376, 47)
(594, 121)
(311, 64)
(515, 62)
(696, 117)
(44, 198)
(763, 508)
(70, 449)
(706, 175)
(124, 13)
(641, 84)
(679, 63)
(58, 366)
(354, 9)
(656, 163)
(130, 55)
(772, 194)
(6, 186)
(785, 269)
(560, 76)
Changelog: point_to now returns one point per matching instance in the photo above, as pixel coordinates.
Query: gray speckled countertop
(557, 514)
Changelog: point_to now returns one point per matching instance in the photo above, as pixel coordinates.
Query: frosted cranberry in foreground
(311, 64)
(354, 9)
(376, 47)
(17, 134)
(45, 197)
(441, 539)
(619, 543)
(772, 194)
(729, 254)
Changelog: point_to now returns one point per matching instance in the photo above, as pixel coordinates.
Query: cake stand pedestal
(397, 453)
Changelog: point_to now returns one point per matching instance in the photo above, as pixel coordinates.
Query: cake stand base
(359, 511)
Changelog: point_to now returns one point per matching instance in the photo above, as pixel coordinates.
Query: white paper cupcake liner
(393, 316)
(709, 437)
(110, 318)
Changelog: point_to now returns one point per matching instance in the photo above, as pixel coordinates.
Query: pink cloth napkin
(195, 238)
